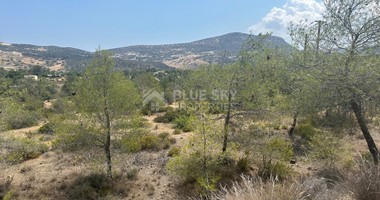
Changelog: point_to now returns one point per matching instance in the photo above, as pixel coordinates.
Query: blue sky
(86, 24)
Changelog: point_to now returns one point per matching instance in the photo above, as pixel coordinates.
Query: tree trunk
(293, 126)
(363, 126)
(227, 123)
(108, 147)
(226, 127)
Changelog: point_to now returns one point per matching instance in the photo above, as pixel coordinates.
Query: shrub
(92, 186)
(21, 119)
(164, 135)
(131, 143)
(46, 129)
(278, 170)
(174, 151)
(285, 127)
(132, 174)
(21, 149)
(177, 131)
(243, 164)
(306, 131)
(326, 147)
(165, 109)
(188, 129)
(169, 116)
(5, 183)
(10, 195)
(150, 142)
(276, 127)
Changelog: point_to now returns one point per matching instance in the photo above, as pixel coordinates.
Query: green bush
(188, 128)
(165, 109)
(131, 143)
(150, 142)
(169, 116)
(278, 170)
(46, 129)
(326, 147)
(177, 131)
(285, 127)
(21, 119)
(243, 164)
(306, 131)
(174, 151)
(92, 186)
(22, 149)
(164, 135)
(132, 174)
(276, 127)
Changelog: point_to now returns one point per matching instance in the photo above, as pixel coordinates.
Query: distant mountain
(22, 56)
(184, 55)
(190, 55)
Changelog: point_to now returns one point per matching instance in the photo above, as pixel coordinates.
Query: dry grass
(364, 182)
(257, 189)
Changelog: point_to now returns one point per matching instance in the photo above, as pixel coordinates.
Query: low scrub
(306, 131)
(92, 186)
(21, 149)
(46, 129)
(277, 171)
(169, 116)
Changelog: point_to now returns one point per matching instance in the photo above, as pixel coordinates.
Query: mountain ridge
(178, 55)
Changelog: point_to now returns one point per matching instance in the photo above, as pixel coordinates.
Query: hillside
(21, 56)
(190, 55)
(182, 55)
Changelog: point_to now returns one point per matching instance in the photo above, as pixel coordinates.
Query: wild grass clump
(364, 182)
(257, 189)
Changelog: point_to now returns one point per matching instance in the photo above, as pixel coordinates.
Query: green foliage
(92, 186)
(243, 164)
(14, 116)
(174, 151)
(278, 149)
(156, 143)
(183, 122)
(306, 131)
(169, 116)
(198, 160)
(5, 184)
(10, 195)
(326, 147)
(22, 149)
(46, 129)
(150, 142)
(164, 135)
(276, 126)
(132, 174)
(278, 171)
(131, 143)
(177, 131)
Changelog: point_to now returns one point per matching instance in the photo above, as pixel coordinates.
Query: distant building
(33, 77)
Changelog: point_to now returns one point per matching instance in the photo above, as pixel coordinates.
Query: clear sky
(86, 24)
